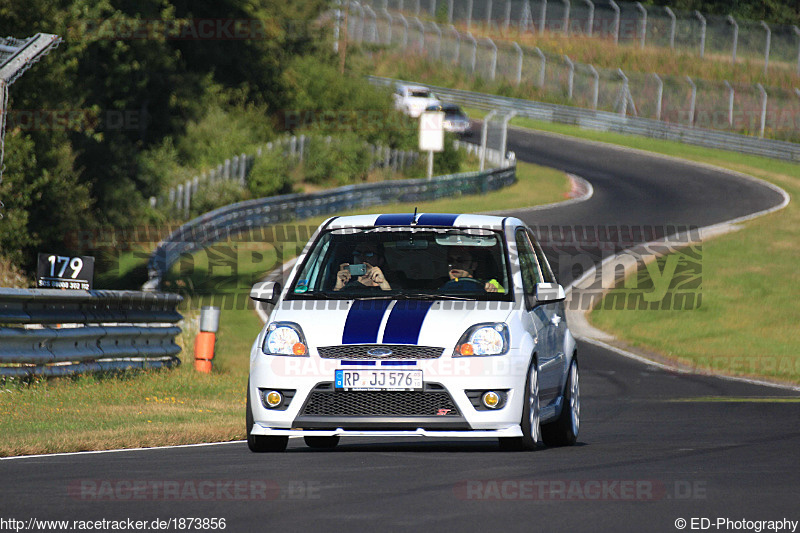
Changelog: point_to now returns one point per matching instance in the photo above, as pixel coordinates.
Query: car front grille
(433, 401)
(361, 352)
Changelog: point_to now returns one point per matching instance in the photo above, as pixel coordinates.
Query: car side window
(547, 272)
(528, 263)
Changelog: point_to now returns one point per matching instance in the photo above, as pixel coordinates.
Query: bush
(271, 174)
(213, 195)
(344, 160)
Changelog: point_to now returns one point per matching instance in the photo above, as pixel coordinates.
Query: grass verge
(181, 406)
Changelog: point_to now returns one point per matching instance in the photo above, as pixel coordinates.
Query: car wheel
(322, 442)
(530, 416)
(261, 443)
(564, 431)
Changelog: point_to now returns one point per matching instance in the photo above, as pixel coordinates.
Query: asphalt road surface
(655, 448)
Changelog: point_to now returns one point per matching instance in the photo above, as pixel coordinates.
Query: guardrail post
(590, 22)
(542, 67)
(659, 95)
(692, 100)
(702, 33)
(763, 110)
(735, 45)
(643, 23)
(484, 136)
(520, 58)
(767, 46)
(730, 103)
(615, 7)
(672, 27)
(206, 339)
(570, 76)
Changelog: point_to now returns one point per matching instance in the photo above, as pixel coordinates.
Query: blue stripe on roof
(437, 219)
(398, 219)
(405, 322)
(363, 321)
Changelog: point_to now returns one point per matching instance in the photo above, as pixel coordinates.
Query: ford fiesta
(430, 325)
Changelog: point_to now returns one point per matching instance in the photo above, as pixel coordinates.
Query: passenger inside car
(462, 266)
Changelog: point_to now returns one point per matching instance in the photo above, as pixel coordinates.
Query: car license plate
(379, 380)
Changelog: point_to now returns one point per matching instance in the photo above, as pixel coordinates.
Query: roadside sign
(64, 272)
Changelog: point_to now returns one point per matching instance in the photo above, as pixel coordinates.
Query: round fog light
(273, 398)
(491, 399)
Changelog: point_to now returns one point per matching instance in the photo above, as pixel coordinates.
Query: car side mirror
(266, 291)
(549, 292)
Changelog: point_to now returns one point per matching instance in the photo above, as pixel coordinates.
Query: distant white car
(434, 325)
(414, 99)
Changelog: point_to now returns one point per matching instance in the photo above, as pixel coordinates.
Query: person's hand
(490, 287)
(343, 276)
(375, 275)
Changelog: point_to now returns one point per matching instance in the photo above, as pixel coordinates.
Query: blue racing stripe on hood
(437, 219)
(405, 322)
(399, 219)
(364, 321)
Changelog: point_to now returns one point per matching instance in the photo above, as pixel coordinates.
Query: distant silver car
(455, 119)
(414, 99)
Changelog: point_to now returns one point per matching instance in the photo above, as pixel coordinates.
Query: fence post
(730, 103)
(643, 22)
(767, 46)
(187, 190)
(504, 141)
(702, 33)
(488, 15)
(493, 67)
(484, 136)
(507, 21)
(595, 86)
(659, 95)
(518, 48)
(692, 101)
(458, 43)
(469, 15)
(590, 22)
(405, 30)
(797, 32)
(732, 22)
(615, 7)
(373, 35)
(474, 52)
(623, 110)
(570, 76)
(543, 66)
(390, 20)
(450, 12)
(439, 41)
(566, 17)
(421, 41)
(763, 110)
(673, 24)
(543, 17)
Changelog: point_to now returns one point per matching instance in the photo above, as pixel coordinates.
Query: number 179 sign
(64, 272)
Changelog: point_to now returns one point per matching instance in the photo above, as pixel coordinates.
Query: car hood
(416, 322)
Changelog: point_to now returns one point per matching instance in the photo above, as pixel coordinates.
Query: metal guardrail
(613, 122)
(65, 332)
(227, 221)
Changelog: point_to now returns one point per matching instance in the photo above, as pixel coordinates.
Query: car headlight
(284, 338)
(483, 339)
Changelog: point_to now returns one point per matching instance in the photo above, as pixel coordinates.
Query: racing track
(644, 459)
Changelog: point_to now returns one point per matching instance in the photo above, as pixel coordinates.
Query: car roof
(451, 220)
(416, 87)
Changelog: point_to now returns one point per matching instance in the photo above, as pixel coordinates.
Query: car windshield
(403, 262)
(420, 93)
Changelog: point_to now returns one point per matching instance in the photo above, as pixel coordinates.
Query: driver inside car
(371, 257)
(461, 268)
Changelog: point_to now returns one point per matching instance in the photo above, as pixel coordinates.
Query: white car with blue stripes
(421, 325)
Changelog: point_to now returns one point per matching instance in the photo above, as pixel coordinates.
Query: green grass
(181, 406)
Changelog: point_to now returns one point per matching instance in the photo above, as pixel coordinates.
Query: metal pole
(702, 32)
(484, 135)
(469, 15)
(615, 7)
(763, 110)
(730, 103)
(543, 66)
(507, 22)
(405, 30)
(439, 41)
(659, 95)
(570, 76)
(458, 43)
(590, 22)
(374, 35)
(692, 101)
(566, 17)
(766, 51)
(430, 164)
(421, 34)
(595, 86)
(391, 23)
(643, 30)
(624, 93)
(488, 15)
(520, 58)
(504, 142)
(450, 12)
(735, 46)
(474, 58)
(337, 15)
(797, 32)
(673, 24)
(543, 18)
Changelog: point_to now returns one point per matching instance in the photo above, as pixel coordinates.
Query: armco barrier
(53, 332)
(227, 221)
(613, 122)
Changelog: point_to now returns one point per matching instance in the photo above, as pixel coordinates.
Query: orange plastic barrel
(204, 351)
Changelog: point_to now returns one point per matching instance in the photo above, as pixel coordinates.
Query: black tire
(261, 443)
(564, 431)
(530, 416)
(322, 442)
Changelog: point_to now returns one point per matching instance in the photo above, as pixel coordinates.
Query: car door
(543, 319)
